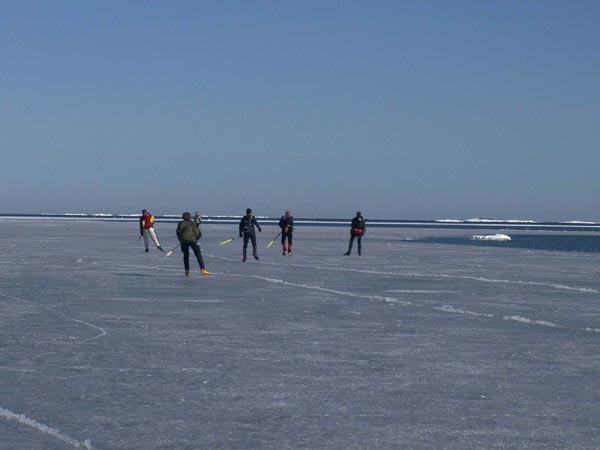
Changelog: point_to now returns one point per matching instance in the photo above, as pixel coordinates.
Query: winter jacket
(357, 228)
(247, 225)
(286, 223)
(147, 221)
(188, 232)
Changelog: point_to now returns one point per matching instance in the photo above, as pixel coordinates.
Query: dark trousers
(358, 240)
(287, 236)
(249, 237)
(185, 249)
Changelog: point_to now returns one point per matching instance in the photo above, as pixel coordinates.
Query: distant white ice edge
(491, 237)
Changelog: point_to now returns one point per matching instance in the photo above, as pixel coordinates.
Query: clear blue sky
(401, 109)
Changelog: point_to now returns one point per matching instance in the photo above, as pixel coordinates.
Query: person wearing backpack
(248, 232)
(357, 231)
(286, 223)
(188, 233)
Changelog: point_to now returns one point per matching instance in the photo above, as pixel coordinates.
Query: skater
(188, 233)
(147, 228)
(247, 231)
(286, 223)
(357, 230)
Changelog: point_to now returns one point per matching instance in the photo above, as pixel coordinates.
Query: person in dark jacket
(357, 230)
(188, 233)
(286, 223)
(248, 232)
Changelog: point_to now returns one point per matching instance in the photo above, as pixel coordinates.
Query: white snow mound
(491, 237)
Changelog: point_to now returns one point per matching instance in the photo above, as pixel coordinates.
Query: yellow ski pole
(271, 243)
(170, 252)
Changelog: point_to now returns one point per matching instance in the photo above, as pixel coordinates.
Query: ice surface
(413, 345)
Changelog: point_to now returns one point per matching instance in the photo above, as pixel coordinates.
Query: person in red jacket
(147, 229)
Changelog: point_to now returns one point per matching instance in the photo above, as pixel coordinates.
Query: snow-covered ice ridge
(491, 237)
(485, 220)
(24, 420)
(573, 225)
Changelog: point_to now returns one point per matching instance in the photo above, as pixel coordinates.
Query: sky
(408, 109)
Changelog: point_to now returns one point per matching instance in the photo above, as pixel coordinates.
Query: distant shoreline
(509, 224)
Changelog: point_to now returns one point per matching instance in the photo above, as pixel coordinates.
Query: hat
(248, 211)
(358, 213)
(186, 215)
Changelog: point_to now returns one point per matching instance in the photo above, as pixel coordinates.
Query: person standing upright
(357, 230)
(147, 229)
(248, 232)
(286, 223)
(188, 233)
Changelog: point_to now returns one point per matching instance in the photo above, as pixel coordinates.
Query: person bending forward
(188, 233)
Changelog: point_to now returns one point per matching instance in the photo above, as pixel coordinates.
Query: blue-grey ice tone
(420, 343)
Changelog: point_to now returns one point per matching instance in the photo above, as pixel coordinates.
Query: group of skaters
(188, 233)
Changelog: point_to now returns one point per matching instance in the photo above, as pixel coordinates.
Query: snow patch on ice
(530, 321)
(593, 330)
(468, 277)
(434, 275)
(330, 291)
(419, 291)
(484, 220)
(491, 237)
(530, 283)
(451, 309)
(24, 420)
(445, 308)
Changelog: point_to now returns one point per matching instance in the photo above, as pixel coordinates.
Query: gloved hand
(259, 230)
(240, 234)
